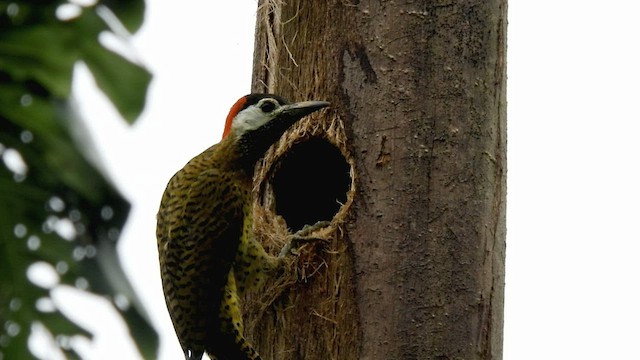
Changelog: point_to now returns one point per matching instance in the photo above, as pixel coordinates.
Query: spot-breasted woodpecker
(208, 256)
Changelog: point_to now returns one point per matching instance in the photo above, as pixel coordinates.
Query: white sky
(572, 255)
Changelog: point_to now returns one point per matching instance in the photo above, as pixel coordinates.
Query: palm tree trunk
(415, 264)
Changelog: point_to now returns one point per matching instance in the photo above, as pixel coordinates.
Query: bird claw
(302, 237)
(308, 229)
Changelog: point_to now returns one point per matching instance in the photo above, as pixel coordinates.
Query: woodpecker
(208, 256)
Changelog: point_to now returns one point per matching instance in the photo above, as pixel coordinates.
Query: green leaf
(40, 53)
(124, 82)
(57, 323)
(129, 12)
(60, 185)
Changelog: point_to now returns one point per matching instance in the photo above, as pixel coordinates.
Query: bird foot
(302, 237)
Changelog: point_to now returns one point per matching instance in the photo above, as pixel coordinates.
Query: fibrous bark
(415, 265)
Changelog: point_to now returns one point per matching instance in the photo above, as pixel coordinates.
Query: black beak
(304, 108)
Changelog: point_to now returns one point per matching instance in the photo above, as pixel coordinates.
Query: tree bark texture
(419, 90)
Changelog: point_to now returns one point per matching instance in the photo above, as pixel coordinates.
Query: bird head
(256, 121)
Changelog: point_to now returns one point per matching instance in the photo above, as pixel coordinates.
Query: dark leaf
(52, 193)
(122, 81)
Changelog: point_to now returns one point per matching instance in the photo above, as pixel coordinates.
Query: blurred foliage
(58, 211)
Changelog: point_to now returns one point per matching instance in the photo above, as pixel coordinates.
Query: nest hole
(310, 182)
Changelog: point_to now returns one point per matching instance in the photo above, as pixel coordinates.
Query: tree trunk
(414, 266)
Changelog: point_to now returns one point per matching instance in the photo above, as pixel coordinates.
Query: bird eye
(268, 106)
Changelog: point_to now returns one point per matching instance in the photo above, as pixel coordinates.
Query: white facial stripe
(249, 119)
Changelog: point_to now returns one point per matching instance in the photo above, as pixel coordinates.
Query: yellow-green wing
(199, 227)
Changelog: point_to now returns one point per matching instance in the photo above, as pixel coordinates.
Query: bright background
(573, 188)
